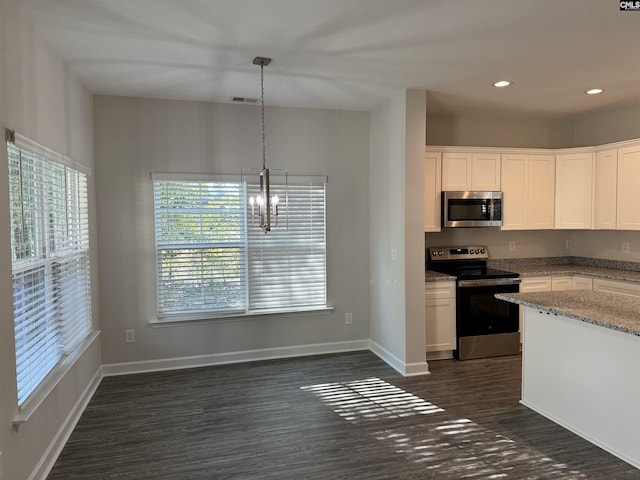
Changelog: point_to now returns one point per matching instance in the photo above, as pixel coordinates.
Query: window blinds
(200, 246)
(50, 262)
(287, 266)
(212, 258)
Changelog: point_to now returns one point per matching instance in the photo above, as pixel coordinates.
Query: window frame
(68, 332)
(208, 315)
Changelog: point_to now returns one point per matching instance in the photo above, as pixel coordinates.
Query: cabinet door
(456, 171)
(605, 189)
(440, 316)
(541, 192)
(561, 283)
(515, 191)
(628, 211)
(440, 326)
(432, 189)
(574, 180)
(485, 172)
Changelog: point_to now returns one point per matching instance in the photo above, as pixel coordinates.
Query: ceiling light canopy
(594, 91)
(502, 83)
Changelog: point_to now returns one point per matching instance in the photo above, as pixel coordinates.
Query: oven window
(469, 209)
(480, 313)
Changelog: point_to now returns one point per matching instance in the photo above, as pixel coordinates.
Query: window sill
(42, 392)
(197, 319)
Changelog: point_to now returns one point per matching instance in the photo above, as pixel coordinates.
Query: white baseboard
(233, 357)
(54, 449)
(405, 369)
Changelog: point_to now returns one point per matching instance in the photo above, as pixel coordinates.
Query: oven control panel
(474, 252)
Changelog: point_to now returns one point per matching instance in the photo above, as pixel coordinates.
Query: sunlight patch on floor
(370, 399)
(454, 448)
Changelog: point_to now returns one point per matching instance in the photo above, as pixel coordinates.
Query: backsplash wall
(605, 244)
(529, 243)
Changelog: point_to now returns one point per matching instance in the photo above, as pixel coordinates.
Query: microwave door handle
(491, 205)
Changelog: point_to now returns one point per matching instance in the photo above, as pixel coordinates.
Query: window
(212, 261)
(50, 261)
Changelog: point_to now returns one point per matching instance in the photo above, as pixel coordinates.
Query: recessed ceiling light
(594, 91)
(502, 83)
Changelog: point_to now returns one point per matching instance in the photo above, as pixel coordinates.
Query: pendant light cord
(264, 148)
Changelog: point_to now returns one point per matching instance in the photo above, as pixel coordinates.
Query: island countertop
(609, 310)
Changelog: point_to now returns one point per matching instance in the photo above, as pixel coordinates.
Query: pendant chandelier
(264, 203)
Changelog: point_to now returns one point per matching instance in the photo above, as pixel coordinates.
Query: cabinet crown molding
(532, 151)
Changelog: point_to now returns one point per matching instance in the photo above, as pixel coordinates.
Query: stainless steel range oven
(485, 326)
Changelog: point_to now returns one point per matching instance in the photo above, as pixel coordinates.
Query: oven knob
(440, 252)
(482, 251)
(434, 253)
(474, 251)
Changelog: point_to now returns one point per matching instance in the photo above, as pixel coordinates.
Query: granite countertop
(609, 310)
(540, 267)
(431, 276)
(570, 269)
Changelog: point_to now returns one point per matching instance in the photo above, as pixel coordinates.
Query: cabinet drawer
(535, 284)
(561, 283)
(582, 283)
(621, 288)
(445, 289)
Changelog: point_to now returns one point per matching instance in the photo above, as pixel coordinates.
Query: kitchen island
(580, 365)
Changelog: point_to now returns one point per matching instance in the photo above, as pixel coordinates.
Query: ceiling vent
(244, 100)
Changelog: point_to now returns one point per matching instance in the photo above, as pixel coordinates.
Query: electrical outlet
(129, 336)
(348, 318)
(569, 244)
(625, 247)
(512, 246)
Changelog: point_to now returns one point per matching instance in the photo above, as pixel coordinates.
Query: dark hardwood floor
(346, 416)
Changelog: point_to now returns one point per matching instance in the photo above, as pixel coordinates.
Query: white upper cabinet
(456, 171)
(463, 171)
(574, 190)
(605, 189)
(628, 204)
(515, 192)
(485, 172)
(432, 189)
(528, 189)
(542, 174)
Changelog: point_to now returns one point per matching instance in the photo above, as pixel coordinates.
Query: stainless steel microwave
(471, 209)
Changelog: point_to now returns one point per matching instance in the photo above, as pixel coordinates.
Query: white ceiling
(352, 54)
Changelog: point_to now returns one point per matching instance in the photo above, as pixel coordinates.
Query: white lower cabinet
(440, 316)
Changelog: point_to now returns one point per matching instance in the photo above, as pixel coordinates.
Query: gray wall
(395, 230)
(491, 130)
(611, 125)
(386, 227)
(135, 137)
(40, 99)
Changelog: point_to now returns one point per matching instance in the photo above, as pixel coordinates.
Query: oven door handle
(489, 282)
